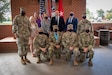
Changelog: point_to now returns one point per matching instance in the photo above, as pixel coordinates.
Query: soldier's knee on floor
(82, 56)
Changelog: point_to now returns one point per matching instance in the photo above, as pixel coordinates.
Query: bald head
(55, 28)
(70, 26)
(57, 13)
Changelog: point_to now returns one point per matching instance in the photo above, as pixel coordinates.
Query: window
(5, 12)
(99, 12)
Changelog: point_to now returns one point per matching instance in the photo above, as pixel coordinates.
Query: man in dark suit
(72, 20)
(57, 20)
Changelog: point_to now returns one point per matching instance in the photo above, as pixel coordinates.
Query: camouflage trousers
(42, 55)
(54, 51)
(23, 47)
(68, 53)
(84, 55)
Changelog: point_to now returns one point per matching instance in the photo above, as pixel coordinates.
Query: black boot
(90, 63)
(87, 55)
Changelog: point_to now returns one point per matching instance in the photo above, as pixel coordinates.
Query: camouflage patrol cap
(22, 9)
(70, 26)
(84, 15)
(40, 29)
(55, 27)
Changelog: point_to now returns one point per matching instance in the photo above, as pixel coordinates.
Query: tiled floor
(10, 65)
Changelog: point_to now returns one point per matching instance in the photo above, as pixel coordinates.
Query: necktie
(69, 20)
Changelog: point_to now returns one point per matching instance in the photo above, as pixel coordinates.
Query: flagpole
(46, 6)
(49, 8)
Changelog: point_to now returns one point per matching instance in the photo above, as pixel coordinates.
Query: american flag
(53, 4)
(53, 8)
(42, 7)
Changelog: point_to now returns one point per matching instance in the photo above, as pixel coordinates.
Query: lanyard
(56, 36)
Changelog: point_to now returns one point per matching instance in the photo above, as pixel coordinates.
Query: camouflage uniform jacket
(52, 39)
(83, 24)
(41, 40)
(21, 26)
(86, 40)
(69, 39)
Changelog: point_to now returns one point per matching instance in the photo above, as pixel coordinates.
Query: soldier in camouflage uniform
(55, 44)
(70, 43)
(21, 29)
(86, 43)
(83, 23)
(41, 45)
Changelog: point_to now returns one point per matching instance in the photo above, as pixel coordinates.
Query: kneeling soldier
(69, 41)
(86, 43)
(41, 45)
(55, 44)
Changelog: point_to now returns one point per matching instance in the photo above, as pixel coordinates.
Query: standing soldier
(86, 43)
(41, 45)
(22, 31)
(55, 44)
(70, 43)
(83, 23)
